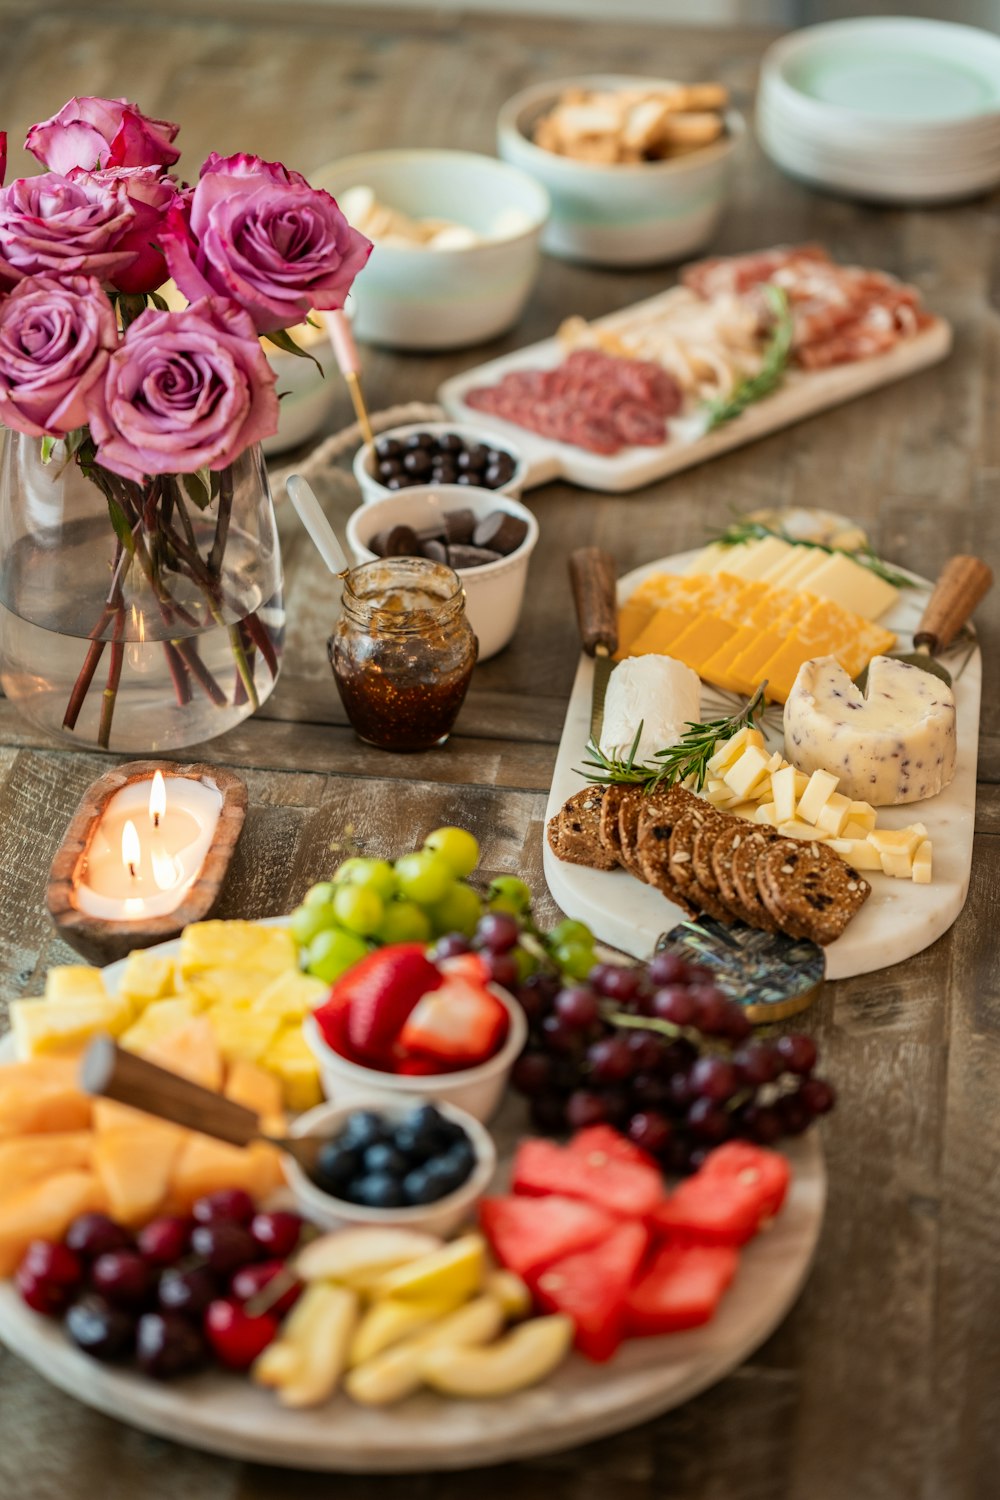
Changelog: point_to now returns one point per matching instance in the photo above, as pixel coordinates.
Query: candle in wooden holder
(145, 854)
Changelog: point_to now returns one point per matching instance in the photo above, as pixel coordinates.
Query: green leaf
(122, 529)
(158, 302)
(198, 487)
(283, 340)
(48, 448)
(772, 370)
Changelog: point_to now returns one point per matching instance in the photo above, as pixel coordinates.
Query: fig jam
(402, 652)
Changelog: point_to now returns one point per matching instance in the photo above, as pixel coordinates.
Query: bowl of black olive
(437, 453)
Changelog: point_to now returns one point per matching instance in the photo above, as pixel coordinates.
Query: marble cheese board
(802, 394)
(898, 920)
(581, 1401)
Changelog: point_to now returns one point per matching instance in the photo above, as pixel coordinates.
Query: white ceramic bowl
(443, 299)
(493, 593)
(477, 1090)
(372, 489)
(620, 215)
(441, 1217)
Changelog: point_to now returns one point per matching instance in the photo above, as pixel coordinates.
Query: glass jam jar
(402, 652)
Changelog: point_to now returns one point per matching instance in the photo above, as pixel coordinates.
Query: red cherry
(235, 1336)
(228, 1203)
(48, 1276)
(251, 1282)
(164, 1241)
(95, 1234)
(123, 1277)
(278, 1233)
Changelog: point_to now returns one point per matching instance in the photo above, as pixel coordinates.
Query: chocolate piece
(388, 447)
(501, 531)
(418, 440)
(459, 525)
(417, 461)
(474, 458)
(471, 557)
(435, 550)
(401, 541)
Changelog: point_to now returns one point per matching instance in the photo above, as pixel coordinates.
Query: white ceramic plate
(898, 919)
(582, 1401)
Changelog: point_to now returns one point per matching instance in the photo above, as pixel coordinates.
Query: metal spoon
(961, 584)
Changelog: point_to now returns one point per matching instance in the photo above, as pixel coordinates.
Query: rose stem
(114, 678)
(189, 655)
(95, 650)
(258, 634)
(239, 691)
(222, 523)
(242, 665)
(179, 674)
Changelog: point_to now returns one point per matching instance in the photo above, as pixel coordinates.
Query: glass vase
(136, 618)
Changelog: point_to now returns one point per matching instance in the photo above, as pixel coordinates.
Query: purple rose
(55, 341)
(92, 133)
(259, 234)
(150, 195)
(184, 391)
(50, 226)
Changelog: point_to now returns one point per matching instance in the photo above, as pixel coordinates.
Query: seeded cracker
(809, 891)
(633, 804)
(574, 832)
(699, 814)
(734, 859)
(656, 824)
(609, 830)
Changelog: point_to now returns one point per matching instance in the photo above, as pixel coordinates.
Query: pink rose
(50, 226)
(55, 341)
(184, 391)
(150, 195)
(3, 156)
(260, 235)
(92, 133)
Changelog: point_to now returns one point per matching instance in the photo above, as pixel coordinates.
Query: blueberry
(384, 1158)
(379, 1190)
(424, 1117)
(336, 1164)
(443, 1177)
(422, 1133)
(364, 1127)
(418, 1187)
(461, 1158)
(452, 1132)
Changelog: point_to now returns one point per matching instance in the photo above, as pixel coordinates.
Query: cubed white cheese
(822, 785)
(766, 812)
(896, 840)
(922, 863)
(744, 775)
(726, 751)
(900, 865)
(796, 829)
(857, 852)
(864, 813)
(783, 791)
(833, 814)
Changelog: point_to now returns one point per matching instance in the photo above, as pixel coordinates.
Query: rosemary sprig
(772, 370)
(688, 759)
(745, 530)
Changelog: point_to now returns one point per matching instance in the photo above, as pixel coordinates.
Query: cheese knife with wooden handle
(593, 575)
(962, 583)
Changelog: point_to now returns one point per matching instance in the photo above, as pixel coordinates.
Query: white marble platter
(898, 919)
(582, 1401)
(802, 394)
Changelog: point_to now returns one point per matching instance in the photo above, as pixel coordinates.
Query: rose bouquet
(156, 405)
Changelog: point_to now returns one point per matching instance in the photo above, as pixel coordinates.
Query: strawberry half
(369, 1005)
(458, 1025)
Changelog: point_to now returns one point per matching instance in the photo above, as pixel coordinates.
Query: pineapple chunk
(289, 1058)
(242, 1033)
(146, 977)
(236, 945)
(291, 996)
(41, 1027)
(158, 1021)
(73, 982)
(236, 989)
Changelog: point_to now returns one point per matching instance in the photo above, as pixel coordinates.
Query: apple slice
(524, 1357)
(397, 1372)
(357, 1256)
(390, 1321)
(318, 1334)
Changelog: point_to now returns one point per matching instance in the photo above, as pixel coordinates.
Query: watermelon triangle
(593, 1287)
(527, 1234)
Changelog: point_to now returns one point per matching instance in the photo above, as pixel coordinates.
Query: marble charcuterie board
(802, 394)
(898, 920)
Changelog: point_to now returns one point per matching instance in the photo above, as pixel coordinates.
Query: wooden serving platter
(581, 1401)
(802, 394)
(898, 920)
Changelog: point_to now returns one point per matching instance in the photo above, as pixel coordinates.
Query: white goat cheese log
(894, 744)
(662, 694)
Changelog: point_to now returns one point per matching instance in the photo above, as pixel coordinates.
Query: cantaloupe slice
(30, 1158)
(42, 1096)
(134, 1165)
(191, 1051)
(205, 1165)
(44, 1210)
(255, 1089)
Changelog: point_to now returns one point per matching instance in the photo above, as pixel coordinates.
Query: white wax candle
(154, 876)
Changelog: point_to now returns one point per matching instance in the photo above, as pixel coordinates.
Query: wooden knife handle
(108, 1070)
(962, 583)
(593, 575)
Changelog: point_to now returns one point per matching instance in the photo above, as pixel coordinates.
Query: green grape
(404, 922)
(526, 962)
(458, 912)
(424, 877)
(320, 895)
(574, 959)
(457, 847)
(509, 893)
(576, 933)
(374, 874)
(308, 921)
(358, 909)
(333, 952)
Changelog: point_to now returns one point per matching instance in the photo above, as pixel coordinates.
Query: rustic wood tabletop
(882, 1384)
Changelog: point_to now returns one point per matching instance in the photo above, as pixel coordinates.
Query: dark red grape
(187, 1289)
(559, 1036)
(163, 1241)
(276, 1233)
(610, 1060)
(452, 945)
(103, 1331)
(680, 1054)
(793, 1114)
(757, 1063)
(502, 968)
(712, 1016)
(738, 1023)
(674, 1003)
(223, 1245)
(797, 1052)
(681, 1092)
(668, 968)
(620, 982)
(650, 1092)
(228, 1205)
(95, 1234)
(647, 1050)
(168, 1345)
(577, 1007)
(548, 1112)
(714, 1078)
(697, 1157)
(532, 1073)
(597, 977)
(123, 1277)
(708, 1122)
(618, 1107)
(817, 1095)
(584, 1108)
(650, 1130)
(497, 931)
(761, 1123)
(535, 995)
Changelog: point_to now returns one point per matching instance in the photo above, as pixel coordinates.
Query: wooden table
(885, 1380)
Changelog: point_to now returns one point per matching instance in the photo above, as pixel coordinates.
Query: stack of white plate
(891, 110)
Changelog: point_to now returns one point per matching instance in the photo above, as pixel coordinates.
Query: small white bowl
(372, 489)
(620, 215)
(477, 1090)
(441, 1217)
(420, 298)
(493, 593)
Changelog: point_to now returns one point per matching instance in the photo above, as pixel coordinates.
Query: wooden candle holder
(102, 941)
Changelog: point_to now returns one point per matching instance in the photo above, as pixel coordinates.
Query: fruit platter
(501, 1192)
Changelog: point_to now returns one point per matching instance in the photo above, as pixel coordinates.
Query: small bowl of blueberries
(411, 1163)
(437, 453)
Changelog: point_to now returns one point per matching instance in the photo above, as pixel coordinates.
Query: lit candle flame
(131, 848)
(165, 870)
(157, 798)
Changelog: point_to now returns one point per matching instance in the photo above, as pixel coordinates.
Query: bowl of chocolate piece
(437, 453)
(485, 535)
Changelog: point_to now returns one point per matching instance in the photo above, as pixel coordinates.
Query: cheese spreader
(772, 976)
(962, 583)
